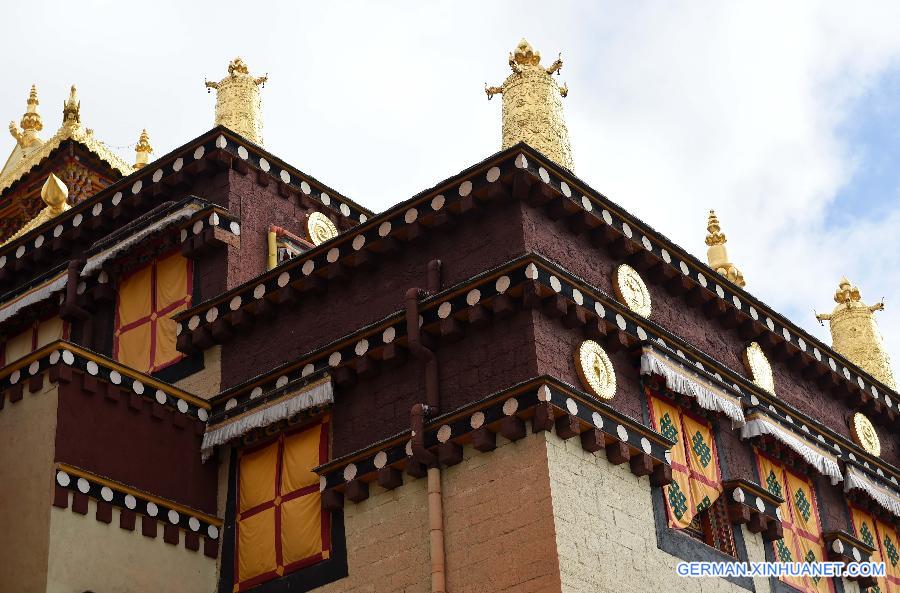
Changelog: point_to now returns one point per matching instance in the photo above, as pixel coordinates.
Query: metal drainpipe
(271, 248)
(417, 424)
(70, 309)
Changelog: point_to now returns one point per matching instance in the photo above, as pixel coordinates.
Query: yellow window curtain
(696, 476)
(279, 520)
(802, 540)
(147, 299)
(38, 335)
(883, 538)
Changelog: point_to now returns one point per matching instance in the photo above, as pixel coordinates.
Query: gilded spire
(72, 108)
(532, 105)
(717, 253)
(238, 102)
(855, 335)
(143, 150)
(31, 122)
(54, 193)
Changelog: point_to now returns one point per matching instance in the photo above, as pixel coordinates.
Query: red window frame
(154, 314)
(324, 438)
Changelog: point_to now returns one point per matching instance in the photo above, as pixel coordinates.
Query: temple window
(883, 538)
(279, 523)
(38, 335)
(144, 337)
(802, 540)
(692, 499)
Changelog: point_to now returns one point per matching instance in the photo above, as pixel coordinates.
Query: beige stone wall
(606, 532)
(208, 382)
(88, 555)
(27, 430)
(498, 521)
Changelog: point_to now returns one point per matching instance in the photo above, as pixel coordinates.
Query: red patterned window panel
(803, 541)
(279, 523)
(147, 298)
(883, 537)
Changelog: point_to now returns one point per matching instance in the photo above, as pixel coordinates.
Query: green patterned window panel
(866, 534)
(784, 555)
(701, 449)
(677, 500)
(802, 504)
(772, 484)
(667, 428)
(891, 550)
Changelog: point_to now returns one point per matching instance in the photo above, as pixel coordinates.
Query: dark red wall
(596, 266)
(158, 454)
(478, 243)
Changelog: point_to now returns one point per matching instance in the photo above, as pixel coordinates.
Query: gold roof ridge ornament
(54, 193)
(238, 101)
(759, 367)
(320, 228)
(31, 123)
(22, 160)
(72, 109)
(142, 150)
(532, 105)
(855, 335)
(595, 369)
(717, 253)
(864, 434)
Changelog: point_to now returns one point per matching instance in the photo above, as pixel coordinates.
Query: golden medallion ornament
(864, 434)
(320, 228)
(595, 369)
(631, 290)
(759, 368)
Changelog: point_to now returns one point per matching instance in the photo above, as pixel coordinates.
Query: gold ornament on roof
(864, 434)
(22, 160)
(238, 101)
(717, 254)
(142, 150)
(595, 369)
(532, 105)
(54, 193)
(31, 123)
(72, 108)
(759, 368)
(631, 290)
(855, 335)
(320, 228)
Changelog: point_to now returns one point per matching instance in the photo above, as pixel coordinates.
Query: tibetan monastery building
(219, 374)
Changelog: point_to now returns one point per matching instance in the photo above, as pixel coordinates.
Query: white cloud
(674, 107)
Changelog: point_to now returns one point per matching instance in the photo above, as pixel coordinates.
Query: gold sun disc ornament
(864, 434)
(759, 368)
(595, 369)
(631, 290)
(320, 228)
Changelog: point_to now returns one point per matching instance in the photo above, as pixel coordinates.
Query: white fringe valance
(35, 295)
(887, 498)
(311, 396)
(95, 262)
(707, 395)
(824, 463)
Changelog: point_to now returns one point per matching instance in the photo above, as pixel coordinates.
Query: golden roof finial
(54, 193)
(855, 335)
(717, 253)
(238, 101)
(31, 122)
(72, 108)
(532, 105)
(143, 150)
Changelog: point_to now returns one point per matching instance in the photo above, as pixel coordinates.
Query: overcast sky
(783, 116)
